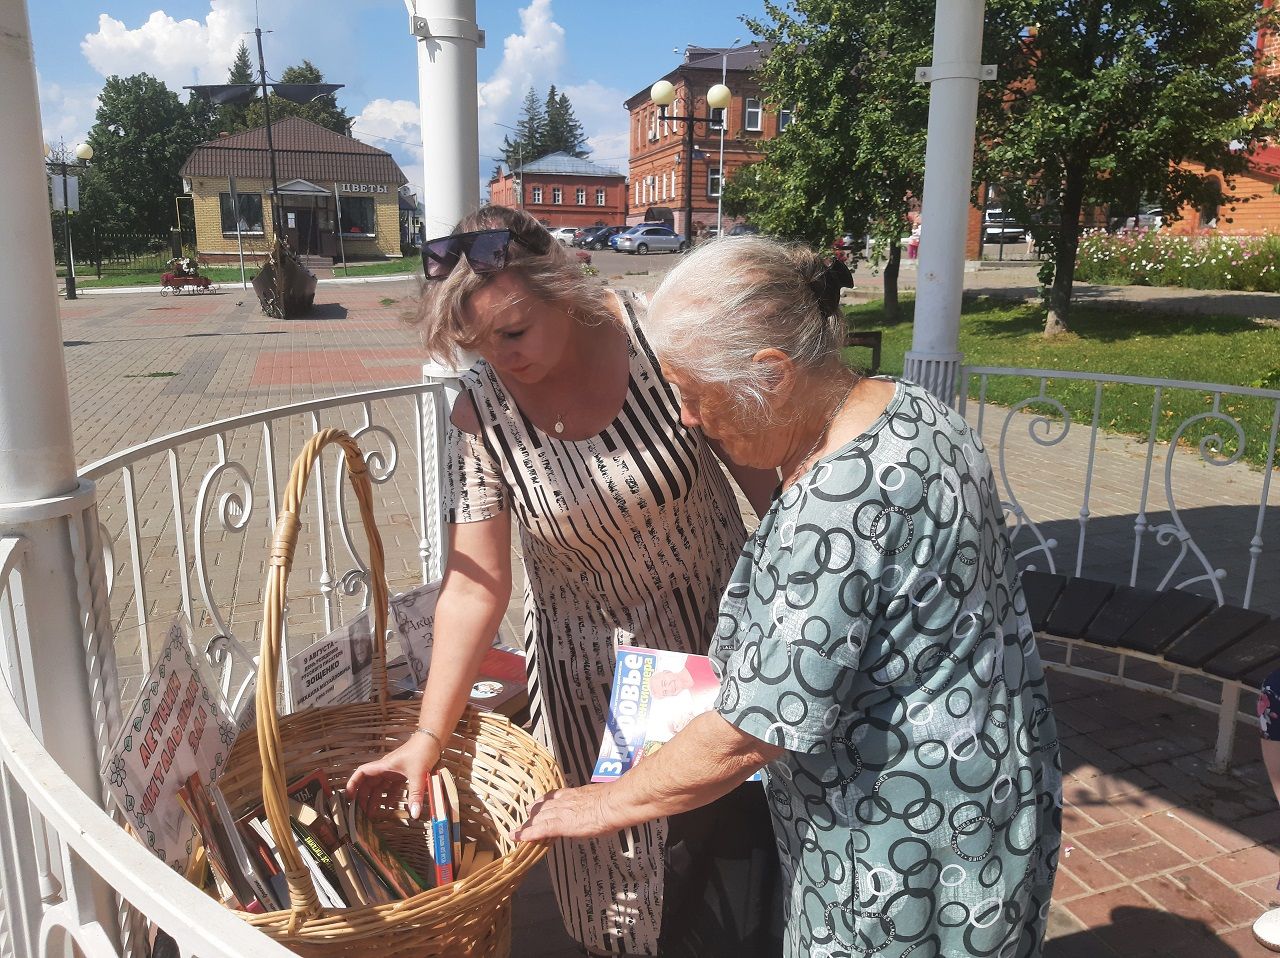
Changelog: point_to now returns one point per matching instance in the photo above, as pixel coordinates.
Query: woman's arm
(707, 759)
(473, 596)
(758, 485)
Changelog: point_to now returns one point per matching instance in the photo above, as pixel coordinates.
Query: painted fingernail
(415, 810)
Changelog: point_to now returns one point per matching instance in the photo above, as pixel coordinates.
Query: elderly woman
(875, 654)
(628, 530)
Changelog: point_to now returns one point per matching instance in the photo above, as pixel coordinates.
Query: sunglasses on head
(486, 251)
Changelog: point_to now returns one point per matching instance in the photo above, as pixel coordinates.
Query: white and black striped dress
(628, 537)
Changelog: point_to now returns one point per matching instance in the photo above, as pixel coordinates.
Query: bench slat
(1258, 674)
(1214, 634)
(1118, 614)
(1042, 590)
(1170, 616)
(1076, 606)
(1258, 647)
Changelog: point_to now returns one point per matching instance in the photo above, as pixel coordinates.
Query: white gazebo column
(934, 358)
(448, 39)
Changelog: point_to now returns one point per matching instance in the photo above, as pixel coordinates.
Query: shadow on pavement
(1143, 933)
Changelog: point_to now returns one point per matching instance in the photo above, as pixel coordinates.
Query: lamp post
(724, 78)
(663, 93)
(83, 153)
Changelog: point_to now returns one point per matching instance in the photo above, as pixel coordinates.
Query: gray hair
(553, 277)
(733, 297)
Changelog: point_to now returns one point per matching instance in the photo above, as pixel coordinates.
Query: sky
(598, 53)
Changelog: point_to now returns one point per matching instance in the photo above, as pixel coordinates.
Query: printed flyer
(655, 695)
(337, 669)
(176, 728)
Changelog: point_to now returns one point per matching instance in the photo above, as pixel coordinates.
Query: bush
(1159, 258)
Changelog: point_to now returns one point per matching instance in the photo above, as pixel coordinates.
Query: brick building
(338, 196)
(563, 190)
(657, 170)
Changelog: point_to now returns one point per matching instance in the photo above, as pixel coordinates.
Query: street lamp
(83, 153)
(663, 93)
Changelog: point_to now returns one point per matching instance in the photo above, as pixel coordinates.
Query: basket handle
(302, 893)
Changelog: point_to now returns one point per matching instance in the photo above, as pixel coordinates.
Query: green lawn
(1131, 342)
(231, 274)
(390, 267)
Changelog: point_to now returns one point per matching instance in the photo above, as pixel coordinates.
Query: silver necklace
(822, 434)
(559, 426)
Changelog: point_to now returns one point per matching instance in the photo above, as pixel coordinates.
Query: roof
(304, 151)
(745, 59)
(1265, 161)
(565, 165)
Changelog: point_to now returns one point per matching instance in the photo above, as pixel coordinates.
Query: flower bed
(1159, 258)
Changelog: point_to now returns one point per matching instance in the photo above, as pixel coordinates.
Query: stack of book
(350, 863)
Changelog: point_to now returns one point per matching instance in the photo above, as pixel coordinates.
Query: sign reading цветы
(363, 188)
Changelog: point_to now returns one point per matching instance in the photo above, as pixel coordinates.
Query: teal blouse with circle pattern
(875, 627)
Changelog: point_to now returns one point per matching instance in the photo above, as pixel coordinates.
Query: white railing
(186, 520)
(62, 859)
(1184, 505)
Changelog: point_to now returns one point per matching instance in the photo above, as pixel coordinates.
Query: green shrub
(1159, 258)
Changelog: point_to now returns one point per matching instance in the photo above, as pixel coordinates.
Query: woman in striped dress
(628, 531)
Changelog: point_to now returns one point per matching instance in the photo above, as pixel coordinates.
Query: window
(784, 116)
(537, 194)
(751, 117)
(582, 196)
(713, 181)
(635, 189)
(717, 118)
(653, 125)
(557, 195)
(249, 217)
(356, 213)
(599, 197)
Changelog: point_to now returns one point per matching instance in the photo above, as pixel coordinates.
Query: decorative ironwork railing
(1180, 504)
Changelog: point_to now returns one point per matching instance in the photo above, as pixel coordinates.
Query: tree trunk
(1064, 255)
(891, 265)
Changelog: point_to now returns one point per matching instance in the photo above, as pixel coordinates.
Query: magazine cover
(655, 695)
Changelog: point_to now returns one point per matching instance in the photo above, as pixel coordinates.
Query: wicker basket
(500, 772)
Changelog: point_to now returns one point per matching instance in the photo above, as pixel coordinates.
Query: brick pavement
(1166, 858)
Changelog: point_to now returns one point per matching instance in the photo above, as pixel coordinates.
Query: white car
(564, 234)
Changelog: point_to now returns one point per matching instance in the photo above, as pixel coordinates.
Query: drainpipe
(448, 39)
(934, 358)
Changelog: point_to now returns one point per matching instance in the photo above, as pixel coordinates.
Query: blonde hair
(553, 276)
(733, 297)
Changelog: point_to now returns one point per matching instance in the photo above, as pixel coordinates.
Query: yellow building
(338, 196)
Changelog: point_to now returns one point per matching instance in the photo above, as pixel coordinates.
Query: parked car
(1150, 218)
(642, 239)
(596, 237)
(744, 229)
(563, 234)
(1001, 227)
(613, 240)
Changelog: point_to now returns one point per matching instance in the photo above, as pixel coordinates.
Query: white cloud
(66, 112)
(605, 121)
(175, 51)
(394, 126)
(530, 59)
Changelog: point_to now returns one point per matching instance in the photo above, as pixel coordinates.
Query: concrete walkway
(1162, 856)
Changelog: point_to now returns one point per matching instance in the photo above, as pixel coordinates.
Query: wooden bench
(1184, 632)
(870, 340)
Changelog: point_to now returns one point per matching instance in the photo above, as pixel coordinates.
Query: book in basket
(655, 694)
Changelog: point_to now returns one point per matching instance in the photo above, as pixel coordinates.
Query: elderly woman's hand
(568, 813)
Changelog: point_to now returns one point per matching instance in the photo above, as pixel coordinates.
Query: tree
(141, 135)
(323, 110)
(531, 133)
(563, 131)
(230, 118)
(846, 68)
(1103, 103)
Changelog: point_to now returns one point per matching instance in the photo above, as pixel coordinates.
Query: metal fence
(110, 251)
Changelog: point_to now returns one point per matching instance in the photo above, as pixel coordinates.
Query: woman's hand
(568, 813)
(411, 763)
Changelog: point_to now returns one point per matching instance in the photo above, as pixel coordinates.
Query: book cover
(243, 858)
(266, 859)
(502, 684)
(326, 893)
(441, 831)
(319, 833)
(393, 869)
(373, 889)
(454, 808)
(655, 694)
(194, 796)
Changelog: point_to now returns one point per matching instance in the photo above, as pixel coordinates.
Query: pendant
(559, 427)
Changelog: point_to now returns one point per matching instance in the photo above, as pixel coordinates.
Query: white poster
(336, 670)
(176, 727)
(414, 613)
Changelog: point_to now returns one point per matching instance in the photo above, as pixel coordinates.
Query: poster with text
(414, 616)
(176, 727)
(336, 670)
